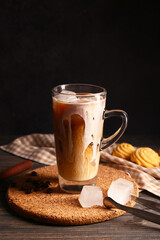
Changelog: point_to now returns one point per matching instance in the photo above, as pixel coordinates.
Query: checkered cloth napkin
(41, 148)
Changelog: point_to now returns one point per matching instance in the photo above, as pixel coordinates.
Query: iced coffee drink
(78, 126)
(79, 113)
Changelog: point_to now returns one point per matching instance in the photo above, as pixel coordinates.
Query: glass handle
(106, 142)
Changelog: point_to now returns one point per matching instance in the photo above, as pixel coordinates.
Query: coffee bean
(28, 180)
(29, 190)
(49, 190)
(33, 173)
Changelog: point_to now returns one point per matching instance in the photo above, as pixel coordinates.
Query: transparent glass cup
(78, 118)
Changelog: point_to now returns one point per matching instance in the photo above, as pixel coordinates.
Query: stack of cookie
(143, 156)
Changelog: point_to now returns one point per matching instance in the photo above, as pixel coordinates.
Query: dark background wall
(114, 44)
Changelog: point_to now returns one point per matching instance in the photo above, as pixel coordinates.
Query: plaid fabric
(41, 148)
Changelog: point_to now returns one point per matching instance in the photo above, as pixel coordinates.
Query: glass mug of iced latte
(78, 117)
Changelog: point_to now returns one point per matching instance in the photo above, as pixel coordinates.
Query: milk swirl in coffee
(78, 127)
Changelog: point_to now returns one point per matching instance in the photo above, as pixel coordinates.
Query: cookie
(123, 150)
(38, 197)
(145, 157)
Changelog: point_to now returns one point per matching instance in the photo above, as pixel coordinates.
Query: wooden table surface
(124, 227)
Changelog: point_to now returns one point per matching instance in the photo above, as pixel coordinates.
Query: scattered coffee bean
(35, 182)
(33, 173)
(35, 185)
(49, 190)
(46, 184)
(37, 189)
(28, 180)
(29, 190)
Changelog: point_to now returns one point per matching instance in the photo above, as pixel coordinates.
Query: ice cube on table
(121, 190)
(66, 96)
(91, 196)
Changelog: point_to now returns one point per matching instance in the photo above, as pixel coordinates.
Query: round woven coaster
(36, 195)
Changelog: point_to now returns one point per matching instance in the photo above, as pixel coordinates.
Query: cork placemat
(36, 195)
